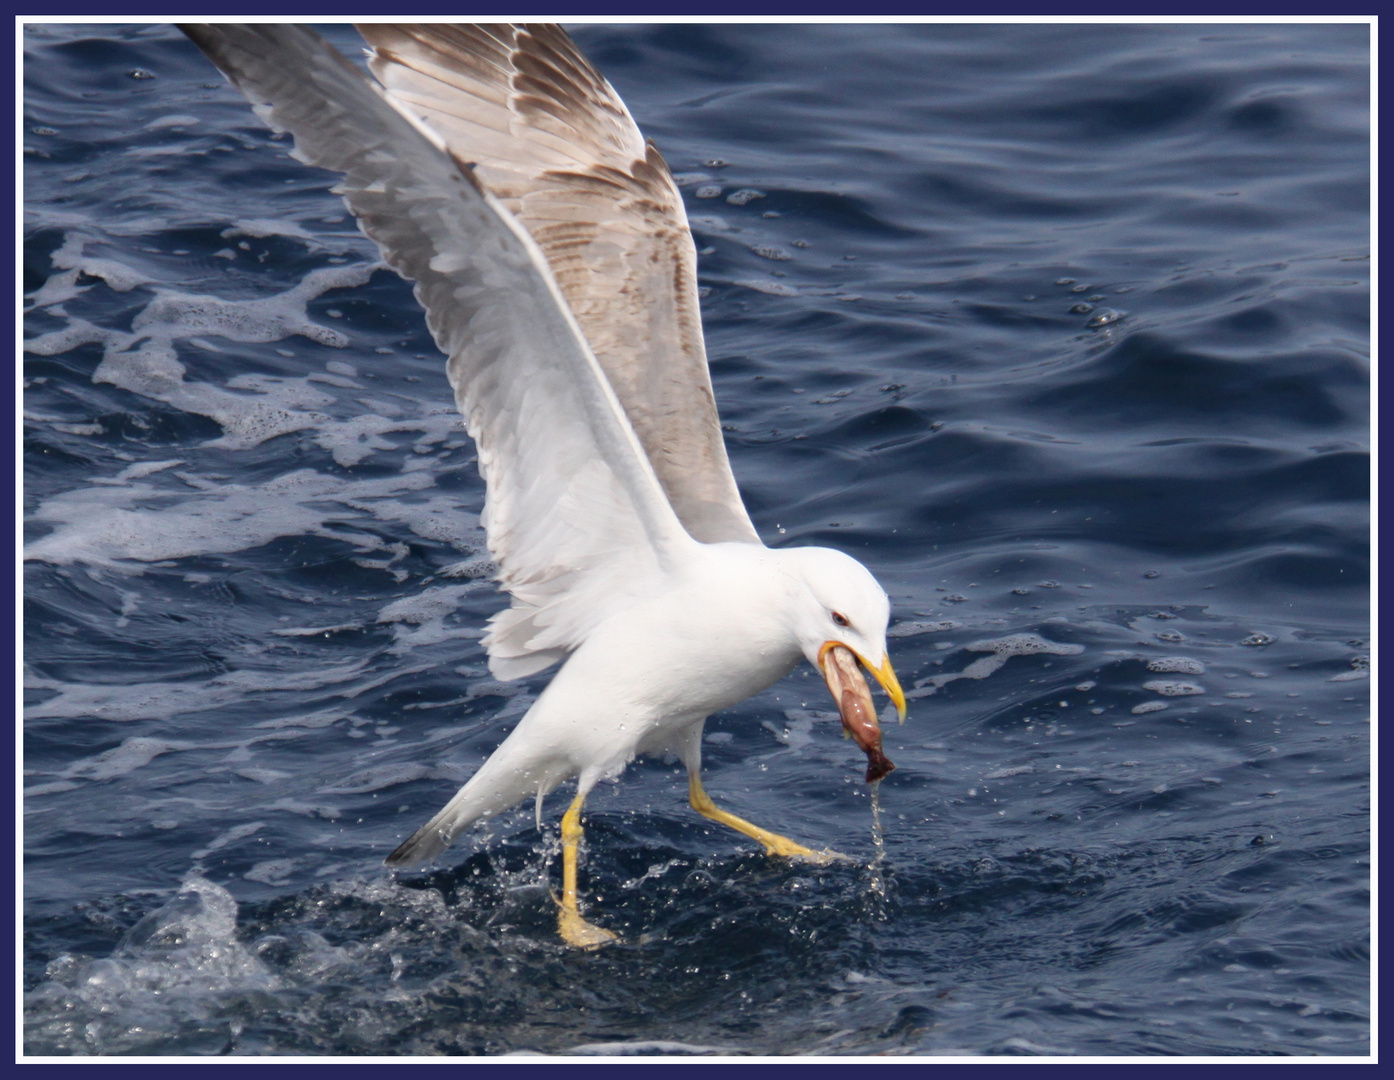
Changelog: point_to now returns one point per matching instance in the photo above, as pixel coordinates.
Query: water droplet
(878, 843)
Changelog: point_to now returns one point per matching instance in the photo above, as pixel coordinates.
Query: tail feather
(426, 843)
(498, 785)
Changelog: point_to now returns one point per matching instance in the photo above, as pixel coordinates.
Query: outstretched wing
(575, 516)
(552, 140)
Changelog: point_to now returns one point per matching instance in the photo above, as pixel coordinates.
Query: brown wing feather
(551, 138)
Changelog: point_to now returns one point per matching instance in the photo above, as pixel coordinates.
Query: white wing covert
(575, 516)
(552, 140)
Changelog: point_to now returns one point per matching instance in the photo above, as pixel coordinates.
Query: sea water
(1061, 329)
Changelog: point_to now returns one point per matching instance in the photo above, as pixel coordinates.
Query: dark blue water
(1061, 329)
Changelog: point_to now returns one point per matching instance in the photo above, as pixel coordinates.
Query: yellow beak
(885, 675)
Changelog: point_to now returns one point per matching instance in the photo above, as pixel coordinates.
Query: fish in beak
(854, 704)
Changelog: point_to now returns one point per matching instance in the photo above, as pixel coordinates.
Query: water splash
(876, 889)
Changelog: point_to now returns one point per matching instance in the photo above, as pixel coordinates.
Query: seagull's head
(840, 618)
(838, 602)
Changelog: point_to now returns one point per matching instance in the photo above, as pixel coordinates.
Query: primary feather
(575, 516)
(550, 138)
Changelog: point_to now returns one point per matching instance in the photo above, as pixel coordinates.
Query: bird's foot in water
(828, 855)
(821, 858)
(774, 844)
(789, 849)
(578, 933)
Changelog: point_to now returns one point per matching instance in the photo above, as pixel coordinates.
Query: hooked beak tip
(885, 675)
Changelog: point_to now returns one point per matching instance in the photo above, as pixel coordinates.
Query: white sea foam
(1172, 687)
(319, 719)
(1350, 676)
(272, 871)
(56, 787)
(58, 289)
(263, 227)
(176, 120)
(376, 778)
(427, 611)
(118, 761)
(163, 701)
(314, 631)
(129, 702)
(116, 521)
(71, 255)
(229, 836)
(1002, 650)
(142, 469)
(264, 776)
(915, 627)
(647, 1047)
(107, 525)
(1179, 665)
(145, 361)
(770, 288)
(798, 732)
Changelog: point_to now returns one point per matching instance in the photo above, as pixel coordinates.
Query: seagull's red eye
(841, 619)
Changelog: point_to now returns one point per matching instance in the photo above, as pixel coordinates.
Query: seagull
(499, 172)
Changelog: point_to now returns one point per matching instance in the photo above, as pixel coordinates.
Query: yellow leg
(573, 929)
(774, 843)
